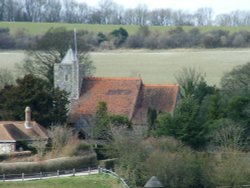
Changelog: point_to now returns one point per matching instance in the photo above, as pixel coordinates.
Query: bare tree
(204, 16)
(52, 11)
(2, 8)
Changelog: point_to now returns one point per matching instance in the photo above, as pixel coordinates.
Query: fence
(113, 174)
(44, 175)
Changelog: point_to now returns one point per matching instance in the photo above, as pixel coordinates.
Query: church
(129, 97)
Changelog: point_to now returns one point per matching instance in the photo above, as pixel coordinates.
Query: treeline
(109, 12)
(120, 38)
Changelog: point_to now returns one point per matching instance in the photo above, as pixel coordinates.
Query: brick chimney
(27, 122)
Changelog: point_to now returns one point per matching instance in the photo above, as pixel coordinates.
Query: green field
(40, 28)
(93, 181)
(159, 66)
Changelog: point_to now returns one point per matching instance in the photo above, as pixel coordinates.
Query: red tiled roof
(124, 96)
(11, 131)
(159, 97)
(120, 94)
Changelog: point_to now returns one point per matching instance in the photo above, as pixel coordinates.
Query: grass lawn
(92, 181)
(40, 28)
(158, 66)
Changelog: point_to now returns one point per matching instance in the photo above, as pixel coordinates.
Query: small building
(12, 133)
(153, 182)
(129, 97)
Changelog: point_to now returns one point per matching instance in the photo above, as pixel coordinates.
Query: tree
(192, 83)
(104, 122)
(6, 78)
(237, 82)
(101, 121)
(120, 35)
(204, 16)
(228, 136)
(49, 106)
(52, 11)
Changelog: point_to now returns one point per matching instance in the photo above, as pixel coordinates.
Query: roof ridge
(112, 78)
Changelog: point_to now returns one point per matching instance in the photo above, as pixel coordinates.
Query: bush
(15, 155)
(76, 148)
(108, 163)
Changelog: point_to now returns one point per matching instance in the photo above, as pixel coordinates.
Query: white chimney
(27, 122)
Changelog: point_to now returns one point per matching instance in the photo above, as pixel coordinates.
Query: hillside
(40, 28)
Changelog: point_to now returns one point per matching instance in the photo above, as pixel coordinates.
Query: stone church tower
(68, 75)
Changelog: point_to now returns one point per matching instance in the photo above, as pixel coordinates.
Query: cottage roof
(120, 94)
(12, 131)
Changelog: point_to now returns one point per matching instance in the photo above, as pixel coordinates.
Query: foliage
(239, 162)
(6, 78)
(107, 163)
(59, 136)
(120, 35)
(49, 106)
(235, 90)
(192, 83)
(173, 163)
(104, 122)
(236, 82)
(151, 117)
(40, 147)
(228, 136)
(101, 121)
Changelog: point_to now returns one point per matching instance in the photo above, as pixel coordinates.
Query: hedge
(64, 163)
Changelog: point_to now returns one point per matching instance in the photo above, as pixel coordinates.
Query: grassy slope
(93, 181)
(157, 66)
(39, 28)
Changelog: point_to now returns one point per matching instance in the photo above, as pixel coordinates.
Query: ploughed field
(157, 66)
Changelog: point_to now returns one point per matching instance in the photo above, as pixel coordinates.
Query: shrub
(76, 147)
(238, 41)
(15, 155)
(108, 163)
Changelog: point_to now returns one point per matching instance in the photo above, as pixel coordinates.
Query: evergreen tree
(49, 106)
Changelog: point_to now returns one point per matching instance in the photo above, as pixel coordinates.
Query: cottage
(124, 96)
(12, 133)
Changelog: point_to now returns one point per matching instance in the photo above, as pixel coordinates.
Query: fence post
(22, 176)
(3, 177)
(89, 169)
(74, 172)
(40, 175)
(57, 173)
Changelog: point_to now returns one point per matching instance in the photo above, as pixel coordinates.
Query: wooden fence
(113, 174)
